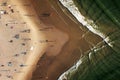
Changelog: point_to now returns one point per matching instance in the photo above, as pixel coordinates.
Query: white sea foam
(69, 4)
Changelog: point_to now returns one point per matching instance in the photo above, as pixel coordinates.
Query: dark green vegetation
(103, 61)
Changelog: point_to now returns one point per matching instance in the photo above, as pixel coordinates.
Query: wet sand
(80, 39)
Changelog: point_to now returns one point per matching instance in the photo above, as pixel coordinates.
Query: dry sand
(47, 39)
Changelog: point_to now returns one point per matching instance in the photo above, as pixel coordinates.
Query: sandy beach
(20, 25)
(39, 40)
